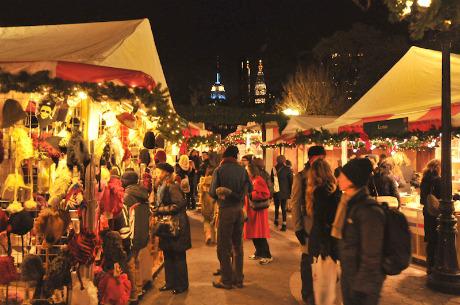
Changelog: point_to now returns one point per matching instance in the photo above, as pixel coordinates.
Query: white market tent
(125, 45)
(412, 89)
(306, 122)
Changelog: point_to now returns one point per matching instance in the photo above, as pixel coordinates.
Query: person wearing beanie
(160, 156)
(171, 201)
(136, 202)
(282, 179)
(229, 186)
(359, 226)
(303, 222)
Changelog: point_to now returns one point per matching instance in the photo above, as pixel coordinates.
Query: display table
(414, 214)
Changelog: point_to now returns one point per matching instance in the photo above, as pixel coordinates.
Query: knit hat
(127, 119)
(149, 140)
(358, 171)
(129, 178)
(160, 156)
(184, 162)
(316, 150)
(231, 152)
(32, 268)
(20, 223)
(144, 156)
(166, 167)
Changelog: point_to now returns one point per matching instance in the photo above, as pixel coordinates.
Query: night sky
(190, 34)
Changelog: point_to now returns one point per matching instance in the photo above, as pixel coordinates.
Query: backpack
(397, 251)
(397, 242)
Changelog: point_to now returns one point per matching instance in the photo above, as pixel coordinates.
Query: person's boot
(283, 227)
(276, 223)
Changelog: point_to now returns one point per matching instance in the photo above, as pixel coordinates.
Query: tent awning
(412, 89)
(306, 122)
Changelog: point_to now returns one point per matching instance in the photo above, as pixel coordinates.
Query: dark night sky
(190, 33)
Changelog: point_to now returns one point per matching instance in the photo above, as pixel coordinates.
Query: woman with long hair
(431, 184)
(322, 198)
(172, 203)
(256, 227)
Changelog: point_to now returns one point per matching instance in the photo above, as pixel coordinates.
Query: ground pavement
(277, 283)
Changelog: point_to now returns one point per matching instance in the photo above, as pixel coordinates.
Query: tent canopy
(306, 122)
(412, 89)
(126, 45)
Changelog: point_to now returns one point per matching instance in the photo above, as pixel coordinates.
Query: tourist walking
(230, 184)
(322, 199)
(208, 207)
(303, 222)
(359, 225)
(431, 185)
(172, 204)
(256, 226)
(282, 181)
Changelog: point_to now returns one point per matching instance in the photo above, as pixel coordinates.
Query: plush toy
(52, 224)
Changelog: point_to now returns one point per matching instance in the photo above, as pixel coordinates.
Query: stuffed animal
(52, 224)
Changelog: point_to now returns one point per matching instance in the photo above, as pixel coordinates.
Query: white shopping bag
(326, 281)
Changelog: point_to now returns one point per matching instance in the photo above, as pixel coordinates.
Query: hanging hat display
(14, 207)
(144, 156)
(20, 223)
(32, 268)
(74, 197)
(58, 273)
(127, 119)
(77, 151)
(11, 112)
(149, 140)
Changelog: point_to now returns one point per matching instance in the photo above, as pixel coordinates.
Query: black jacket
(285, 178)
(383, 185)
(234, 177)
(325, 202)
(138, 195)
(430, 184)
(361, 247)
(174, 203)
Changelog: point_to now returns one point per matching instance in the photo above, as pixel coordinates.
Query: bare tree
(363, 4)
(310, 91)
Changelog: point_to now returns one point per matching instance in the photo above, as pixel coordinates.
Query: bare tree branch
(363, 4)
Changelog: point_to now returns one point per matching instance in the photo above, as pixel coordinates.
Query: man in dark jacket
(303, 223)
(230, 183)
(360, 226)
(136, 202)
(281, 176)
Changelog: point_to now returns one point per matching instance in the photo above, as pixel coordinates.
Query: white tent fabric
(118, 44)
(306, 122)
(411, 88)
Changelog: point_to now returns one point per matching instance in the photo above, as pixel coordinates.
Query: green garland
(210, 141)
(156, 100)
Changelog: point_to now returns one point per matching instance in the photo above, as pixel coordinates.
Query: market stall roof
(127, 45)
(306, 122)
(412, 89)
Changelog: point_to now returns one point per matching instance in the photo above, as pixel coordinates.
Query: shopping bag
(326, 285)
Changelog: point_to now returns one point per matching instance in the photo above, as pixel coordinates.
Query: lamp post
(445, 276)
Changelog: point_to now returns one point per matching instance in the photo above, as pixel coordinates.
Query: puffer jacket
(136, 201)
(174, 203)
(361, 247)
(208, 203)
(325, 201)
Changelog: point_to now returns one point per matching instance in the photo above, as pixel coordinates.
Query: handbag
(326, 284)
(166, 226)
(257, 205)
(276, 183)
(390, 200)
(432, 204)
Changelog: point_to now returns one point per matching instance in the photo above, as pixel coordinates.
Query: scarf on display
(340, 215)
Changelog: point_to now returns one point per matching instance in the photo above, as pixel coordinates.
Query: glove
(301, 236)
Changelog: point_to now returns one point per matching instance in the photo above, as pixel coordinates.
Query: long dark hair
(432, 169)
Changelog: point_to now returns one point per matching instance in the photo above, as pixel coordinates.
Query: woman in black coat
(431, 184)
(382, 183)
(171, 201)
(284, 177)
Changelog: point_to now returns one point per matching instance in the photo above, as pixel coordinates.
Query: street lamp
(291, 112)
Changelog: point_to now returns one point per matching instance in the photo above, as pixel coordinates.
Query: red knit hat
(160, 156)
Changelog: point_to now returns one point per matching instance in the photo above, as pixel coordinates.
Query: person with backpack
(430, 186)
(282, 179)
(303, 222)
(256, 227)
(360, 227)
(136, 202)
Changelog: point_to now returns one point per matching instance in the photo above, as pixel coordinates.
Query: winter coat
(383, 185)
(174, 203)
(325, 202)
(136, 200)
(268, 180)
(233, 176)
(208, 203)
(430, 184)
(284, 174)
(361, 247)
(257, 224)
(299, 213)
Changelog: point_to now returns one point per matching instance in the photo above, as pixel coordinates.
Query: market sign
(386, 128)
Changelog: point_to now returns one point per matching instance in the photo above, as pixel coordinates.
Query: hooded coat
(257, 224)
(173, 203)
(136, 200)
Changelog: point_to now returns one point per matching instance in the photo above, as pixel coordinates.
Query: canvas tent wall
(126, 48)
(412, 89)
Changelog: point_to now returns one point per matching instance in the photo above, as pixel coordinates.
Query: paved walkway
(277, 283)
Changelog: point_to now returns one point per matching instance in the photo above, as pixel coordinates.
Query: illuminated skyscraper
(260, 88)
(218, 95)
